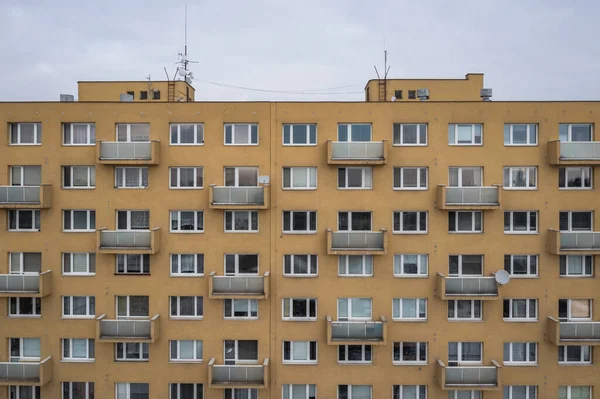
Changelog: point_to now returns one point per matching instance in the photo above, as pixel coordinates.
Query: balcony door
(240, 351)
(25, 176)
(132, 132)
(464, 352)
(465, 177)
(133, 220)
(354, 221)
(465, 265)
(241, 176)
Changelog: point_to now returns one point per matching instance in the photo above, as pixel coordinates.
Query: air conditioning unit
(486, 94)
(423, 94)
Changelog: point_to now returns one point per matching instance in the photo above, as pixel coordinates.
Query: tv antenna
(182, 69)
(386, 69)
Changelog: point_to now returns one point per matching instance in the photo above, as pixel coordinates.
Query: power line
(303, 92)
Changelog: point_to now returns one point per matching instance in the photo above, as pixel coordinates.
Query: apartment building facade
(299, 250)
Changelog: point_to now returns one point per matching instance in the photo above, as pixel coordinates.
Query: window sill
(411, 276)
(465, 232)
(299, 145)
(131, 360)
(521, 233)
(465, 320)
(241, 231)
(576, 364)
(131, 188)
(79, 145)
(78, 231)
(300, 362)
(354, 363)
(409, 320)
(78, 188)
(78, 361)
(465, 145)
(506, 320)
(300, 320)
(131, 274)
(521, 145)
(523, 277)
(397, 363)
(24, 231)
(240, 318)
(576, 276)
(410, 233)
(78, 317)
(25, 144)
(517, 364)
(300, 275)
(410, 189)
(78, 274)
(186, 361)
(24, 316)
(575, 189)
(187, 275)
(186, 317)
(409, 145)
(187, 232)
(355, 275)
(186, 144)
(355, 188)
(305, 233)
(186, 188)
(520, 188)
(241, 145)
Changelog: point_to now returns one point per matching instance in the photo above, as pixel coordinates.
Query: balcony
(228, 197)
(238, 287)
(580, 153)
(128, 241)
(36, 285)
(468, 198)
(26, 373)
(573, 242)
(573, 332)
(238, 376)
(467, 288)
(356, 332)
(357, 153)
(26, 197)
(126, 330)
(356, 242)
(128, 153)
(485, 378)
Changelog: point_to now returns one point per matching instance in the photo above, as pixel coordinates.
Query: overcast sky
(528, 50)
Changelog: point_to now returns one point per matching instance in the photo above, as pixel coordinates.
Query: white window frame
(198, 389)
(528, 230)
(459, 175)
(236, 352)
(529, 257)
(88, 385)
(21, 264)
(366, 262)
(249, 307)
(350, 216)
(310, 388)
(570, 131)
(455, 127)
(349, 309)
(128, 213)
(178, 316)
(510, 127)
(291, 360)
(459, 356)
(418, 143)
(298, 169)
(177, 184)
(237, 265)
(128, 316)
(37, 127)
(583, 171)
(178, 213)
(420, 306)
(568, 390)
(89, 229)
(89, 256)
(461, 265)
(21, 169)
(508, 390)
(420, 186)
(349, 387)
(236, 175)
(349, 132)
(399, 261)
(310, 259)
(88, 307)
(91, 175)
(474, 394)
(582, 360)
(69, 342)
(363, 356)
(528, 305)
(473, 229)
(123, 171)
(570, 221)
(400, 346)
(472, 317)
(528, 362)
(141, 351)
(128, 389)
(91, 134)
(366, 174)
(291, 221)
(21, 357)
(143, 258)
(17, 300)
(197, 133)
(511, 169)
(232, 393)
(569, 308)
(234, 126)
(291, 126)
(287, 303)
(584, 260)
(251, 216)
(129, 125)
(35, 215)
(177, 359)
(197, 266)
(418, 230)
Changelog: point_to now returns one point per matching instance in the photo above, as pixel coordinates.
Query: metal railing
(125, 328)
(20, 194)
(238, 195)
(587, 150)
(238, 284)
(471, 375)
(580, 240)
(125, 150)
(357, 330)
(579, 331)
(472, 195)
(20, 371)
(471, 286)
(357, 240)
(19, 283)
(125, 239)
(357, 150)
(245, 374)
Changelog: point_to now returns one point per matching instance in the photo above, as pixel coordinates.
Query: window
(465, 265)
(574, 309)
(241, 352)
(185, 351)
(24, 349)
(410, 352)
(575, 132)
(355, 265)
(300, 265)
(410, 222)
(187, 221)
(354, 221)
(355, 392)
(186, 178)
(465, 222)
(23, 392)
(131, 351)
(23, 220)
(409, 265)
(409, 309)
(132, 94)
(130, 390)
(25, 133)
(299, 222)
(79, 307)
(143, 95)
(354, 308)
(25, 262)
(303, 391)
(300, 178)
(465, 134)
(187, 307)
(520, 222)
(575, 354)
(241, 176)
(576, 265)
(300, 309)
(241, 221)
(520, 392)
(132, 132)
(79, 264)
(186, 391)
(300, 352)
(79, 134)
(156, 94)
(410, 134)
(299, 134)
(465, 310)
(240, 308)
(410, 178)
(465, 394)
(131, 177)
(240, 393)
(398, 94)
(77, 390)
(240, 264)
(354, 132)
(574, 392)
(79, 220)
(412, 94)
(355, 178)
(518, 353)
(521, 265)
(520, 178)
(187, 134)
(520, 134)
(78, 349)
(520, 310)
(133, 264)
(575, 221)
(355, 354)
(465, 352)
(132, 307)
(187, 264)
(465, 177)
(241, 134)
(133, 220)
(25, 175)
(575, 178)
(24, 307)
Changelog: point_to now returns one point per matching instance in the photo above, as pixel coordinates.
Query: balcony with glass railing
(573, 332)
(238, 287)
(128, 241)
(573, 153)
(238, 375)
(26, 197)
(231, 197)
(128, 152)
(127, 330)
(356, 153)
(468, 377)
(26, 373)
(356, 332)
(356, 242)
(573, 242)
(467, 287)
(36, 285)
(468, 198)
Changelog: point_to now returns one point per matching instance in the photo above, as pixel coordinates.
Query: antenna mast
(383, 82)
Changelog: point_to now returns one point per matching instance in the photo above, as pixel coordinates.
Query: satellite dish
(502, 277)
(182, 72)
(394, 98)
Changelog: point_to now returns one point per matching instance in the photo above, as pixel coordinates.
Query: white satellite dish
(182, 72)
(502, 277)
(393, 98)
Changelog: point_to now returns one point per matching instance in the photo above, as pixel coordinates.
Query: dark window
(156, 95)
(131, 93)
(398, 94)
(412, 94)
(143, 95)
